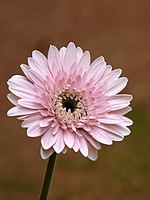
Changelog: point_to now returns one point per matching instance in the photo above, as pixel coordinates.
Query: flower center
(69, 103)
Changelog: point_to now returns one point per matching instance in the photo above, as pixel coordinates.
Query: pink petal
(59, 144)
(70, 56)
(116, 86)
(21, 87)
(45, 122)
(111, 119)
(65, 150)
(91, 140)
(54, 58)
(119, 101)
(92, 152)
(99, 135)
(83, 146)
(122, 111)
(68, 138)
(46, 153)
(124, 130)
(86, 127)
(113, 75)
(116, 129)
(29, 120)
(79, 53)
(97, 69)
(62, 53)
(84, 62)
(114, 137)
(126, 121)
(13, 99)
(76, 144)
(108, 70)
(37, 67)
(41, 60)
(18, 110)
(36, 78)
(97, 62)
(25, 69)
(34, 130)
(56, 128)
(48, 140)
(28, 103)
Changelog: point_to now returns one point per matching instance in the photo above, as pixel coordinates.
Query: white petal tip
(71, 44)
(10, 113)
(46, 153)
(93, 157)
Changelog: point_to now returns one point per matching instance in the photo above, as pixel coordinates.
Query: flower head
(70, 102)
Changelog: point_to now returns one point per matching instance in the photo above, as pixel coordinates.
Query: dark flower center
(69, 103)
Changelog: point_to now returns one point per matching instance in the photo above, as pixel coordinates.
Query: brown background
(118, 30)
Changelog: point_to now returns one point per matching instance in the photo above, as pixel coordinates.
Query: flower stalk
(48, 177)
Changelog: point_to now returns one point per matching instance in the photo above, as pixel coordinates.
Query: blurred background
(118, 30)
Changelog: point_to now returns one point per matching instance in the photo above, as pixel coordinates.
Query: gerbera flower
(70, 102)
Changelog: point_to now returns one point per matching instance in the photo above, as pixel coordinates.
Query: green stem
(48, 177)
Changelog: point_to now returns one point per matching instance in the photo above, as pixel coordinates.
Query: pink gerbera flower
(70, 102)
